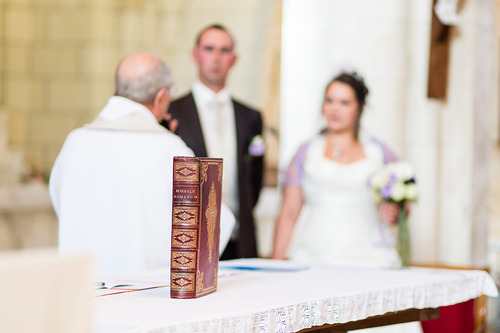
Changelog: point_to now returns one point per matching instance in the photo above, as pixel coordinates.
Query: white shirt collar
(119, 107)
(205, 95)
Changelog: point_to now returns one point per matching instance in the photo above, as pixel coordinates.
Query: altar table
(274, 296)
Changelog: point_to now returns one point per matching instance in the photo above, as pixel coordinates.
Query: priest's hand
(171, 122)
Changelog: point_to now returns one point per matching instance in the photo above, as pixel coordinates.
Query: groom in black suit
(214, 124)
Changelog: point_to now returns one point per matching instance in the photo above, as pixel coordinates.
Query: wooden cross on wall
(439, 58)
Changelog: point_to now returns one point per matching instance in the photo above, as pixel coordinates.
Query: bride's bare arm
(290, 210)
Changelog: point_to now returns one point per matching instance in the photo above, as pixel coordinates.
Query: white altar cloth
(288, 301)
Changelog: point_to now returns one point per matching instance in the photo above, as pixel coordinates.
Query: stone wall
(11, 163)
(57, 62)
(26, 215)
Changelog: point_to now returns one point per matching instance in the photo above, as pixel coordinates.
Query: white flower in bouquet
(402, 170)
(397, 192)
(379, 180)
(411, 192)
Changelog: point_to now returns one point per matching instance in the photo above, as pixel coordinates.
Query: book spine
(185, 227)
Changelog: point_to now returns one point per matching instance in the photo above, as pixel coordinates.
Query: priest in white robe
(111, 185)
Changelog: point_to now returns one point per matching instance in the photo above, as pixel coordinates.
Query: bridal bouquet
(395, 183)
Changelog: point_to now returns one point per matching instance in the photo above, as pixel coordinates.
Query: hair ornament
(350, 71)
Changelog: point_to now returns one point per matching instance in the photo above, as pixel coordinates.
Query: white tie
(218, 107)
(224, 150)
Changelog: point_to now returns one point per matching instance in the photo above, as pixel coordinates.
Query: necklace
(336, 153)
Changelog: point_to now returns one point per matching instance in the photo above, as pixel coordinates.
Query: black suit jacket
(250, 168)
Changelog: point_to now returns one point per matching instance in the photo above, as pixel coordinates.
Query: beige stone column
(466, 134)
(421, 134)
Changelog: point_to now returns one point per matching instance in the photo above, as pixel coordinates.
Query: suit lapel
(193, 131)
(240, 132)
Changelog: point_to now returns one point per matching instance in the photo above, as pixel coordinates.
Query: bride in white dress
(326, 185)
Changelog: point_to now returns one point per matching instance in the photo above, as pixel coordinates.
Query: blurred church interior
(434, 87)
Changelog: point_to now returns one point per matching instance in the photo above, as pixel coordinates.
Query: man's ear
(195, 55)
(235, 58)
(161, 95)
(161, 103)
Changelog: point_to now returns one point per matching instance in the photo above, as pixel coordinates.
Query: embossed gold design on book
(211, 216)
(182, 281)
(184, 260)
(186, 239)
(185, 216)
(187, 171)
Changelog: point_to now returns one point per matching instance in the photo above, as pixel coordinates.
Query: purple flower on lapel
(257, 146)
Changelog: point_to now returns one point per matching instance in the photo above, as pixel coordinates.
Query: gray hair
(145, 82)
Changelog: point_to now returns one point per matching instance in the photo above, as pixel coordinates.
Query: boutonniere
(257, 147)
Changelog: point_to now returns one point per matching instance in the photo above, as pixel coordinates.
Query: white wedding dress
(339, 223)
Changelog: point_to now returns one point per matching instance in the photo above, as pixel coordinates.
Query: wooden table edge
(389, 318)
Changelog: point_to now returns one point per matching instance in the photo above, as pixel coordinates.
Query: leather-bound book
(196, 211)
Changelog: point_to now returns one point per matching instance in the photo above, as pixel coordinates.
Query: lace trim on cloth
(342, 309)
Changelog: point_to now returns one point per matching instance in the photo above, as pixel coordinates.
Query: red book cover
(196, 204)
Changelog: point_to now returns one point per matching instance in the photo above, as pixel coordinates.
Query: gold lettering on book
(211, 216)
(185, 193)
